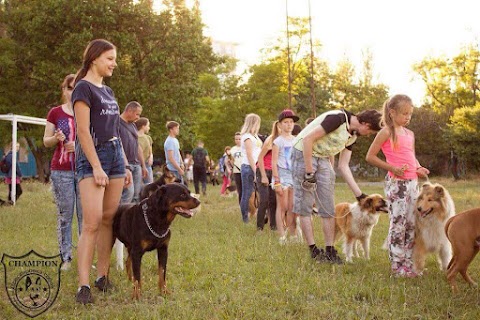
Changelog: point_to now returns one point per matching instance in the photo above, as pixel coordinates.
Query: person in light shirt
(236, 153)
(251, 145)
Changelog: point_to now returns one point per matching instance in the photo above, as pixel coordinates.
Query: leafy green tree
(160, 56)
(431, 147)
(356, 91)
(266, 95)
(221, 110)
(451, 83)
(452, 93)
(267, 89)
(465, 131)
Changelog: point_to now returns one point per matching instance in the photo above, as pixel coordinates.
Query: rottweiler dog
(145, 227)
(166, 177)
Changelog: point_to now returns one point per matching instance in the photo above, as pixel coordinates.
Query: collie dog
(433, 208)
(355, 222)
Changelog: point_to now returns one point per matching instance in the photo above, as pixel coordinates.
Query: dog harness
(163, 235)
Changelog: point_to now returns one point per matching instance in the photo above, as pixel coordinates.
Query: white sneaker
(66, 265)
(283, 240)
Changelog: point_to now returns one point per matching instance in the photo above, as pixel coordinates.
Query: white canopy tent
(15, 119)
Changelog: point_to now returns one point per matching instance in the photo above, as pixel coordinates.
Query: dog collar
(144, 210)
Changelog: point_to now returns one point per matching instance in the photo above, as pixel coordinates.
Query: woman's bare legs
(99, 206)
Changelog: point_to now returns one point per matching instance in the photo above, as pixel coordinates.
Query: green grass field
(220, 268)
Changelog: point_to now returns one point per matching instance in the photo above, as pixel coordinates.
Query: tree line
(167, 64)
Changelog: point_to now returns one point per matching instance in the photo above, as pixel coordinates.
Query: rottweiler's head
(175, 198)
(373, 203)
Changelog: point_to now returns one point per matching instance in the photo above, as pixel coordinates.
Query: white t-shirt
(236, 153)
(284, 152)
(256, 147)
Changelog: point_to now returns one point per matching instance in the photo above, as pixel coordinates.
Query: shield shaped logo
(32, 281)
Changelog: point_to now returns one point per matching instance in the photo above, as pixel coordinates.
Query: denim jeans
(149, 178)
(132, 193)
(110, 154)
(178, 176)
(247, 189)
(67, 196)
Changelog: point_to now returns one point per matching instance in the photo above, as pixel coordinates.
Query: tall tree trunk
(454, 166)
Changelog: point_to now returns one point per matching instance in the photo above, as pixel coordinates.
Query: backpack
(221, 164)
(4, 167)
(199, 158)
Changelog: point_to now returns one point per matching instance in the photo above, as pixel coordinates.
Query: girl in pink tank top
(398, 145)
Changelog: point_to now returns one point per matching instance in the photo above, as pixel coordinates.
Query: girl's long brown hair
(94, 50)
(66, 82)
(273, 135)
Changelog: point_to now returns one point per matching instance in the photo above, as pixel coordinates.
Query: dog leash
(427, 180)
(144, 210)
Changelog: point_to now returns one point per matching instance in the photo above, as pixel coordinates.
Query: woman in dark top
(100, 162)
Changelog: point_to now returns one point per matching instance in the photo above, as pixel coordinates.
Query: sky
(398, 33)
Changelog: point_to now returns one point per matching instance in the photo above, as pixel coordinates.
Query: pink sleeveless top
(403, 153)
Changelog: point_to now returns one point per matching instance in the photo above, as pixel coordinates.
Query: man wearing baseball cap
(333, 132)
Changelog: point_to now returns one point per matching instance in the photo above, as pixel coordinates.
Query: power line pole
(312, 80)
(288, 61)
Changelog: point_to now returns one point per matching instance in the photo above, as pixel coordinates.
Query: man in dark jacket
(200, 164)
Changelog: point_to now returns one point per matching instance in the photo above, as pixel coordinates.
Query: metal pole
(14, 160)
(288, 61)
(312, 80)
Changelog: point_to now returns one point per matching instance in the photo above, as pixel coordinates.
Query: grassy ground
(220, 268)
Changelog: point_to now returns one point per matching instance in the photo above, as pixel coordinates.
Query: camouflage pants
(401, 196)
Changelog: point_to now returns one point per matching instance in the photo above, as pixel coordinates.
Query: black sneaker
(318, 255)
(84, 296)
(333, 257)
(103, 284)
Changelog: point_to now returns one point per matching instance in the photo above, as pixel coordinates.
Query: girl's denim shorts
(110, 154)
(286, 177)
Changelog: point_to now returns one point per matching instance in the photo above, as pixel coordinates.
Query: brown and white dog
(355, 222)
(433, 208)
(463, 231)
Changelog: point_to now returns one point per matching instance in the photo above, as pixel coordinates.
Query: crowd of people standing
(300, 169)
(103, 158)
